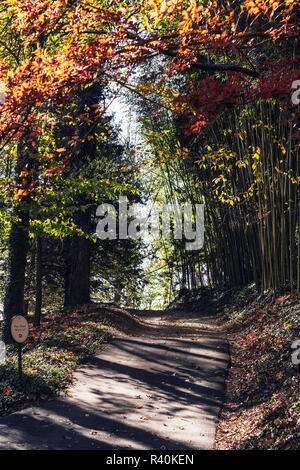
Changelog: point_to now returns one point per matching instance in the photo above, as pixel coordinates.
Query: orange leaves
(81, 41)
(266, 7)
(159, 9)
(25, 191)
(22, 193)
(110, 52)
(281, 11)
(35, 13)
(56, 169)
(193, 9)
(24, 174)
(49, 78)
(52, 171)
(185, 24)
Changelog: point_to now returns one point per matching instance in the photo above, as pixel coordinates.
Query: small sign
(19, 328)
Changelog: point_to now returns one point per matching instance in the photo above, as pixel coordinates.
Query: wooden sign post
(19, 329)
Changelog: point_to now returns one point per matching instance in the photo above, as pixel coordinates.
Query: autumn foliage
(230, 53)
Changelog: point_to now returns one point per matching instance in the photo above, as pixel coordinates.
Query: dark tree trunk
(14, 292)
(117, 295)
(38, 282)
(77, 262)
(77, 249)
(17, 245)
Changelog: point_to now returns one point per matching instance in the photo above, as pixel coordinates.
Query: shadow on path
(138, 393)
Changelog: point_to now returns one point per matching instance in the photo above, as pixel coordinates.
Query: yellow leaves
(242, 163)
(220, 178)
(146, 23)
(163, 7)
(185, 152)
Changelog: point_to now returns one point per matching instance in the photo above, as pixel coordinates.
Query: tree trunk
(14, 292)
(38, 282)
(77, 261)
(77, 249)
(117, 295)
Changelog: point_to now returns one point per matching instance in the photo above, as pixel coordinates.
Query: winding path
(162, 389)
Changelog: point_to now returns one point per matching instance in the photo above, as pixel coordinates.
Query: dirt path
(160, 389)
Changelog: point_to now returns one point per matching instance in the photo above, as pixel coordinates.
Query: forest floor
(262, 405)
(158, 384)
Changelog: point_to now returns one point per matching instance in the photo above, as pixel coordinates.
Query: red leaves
(276, 81)
(48, 77)
(209, 98)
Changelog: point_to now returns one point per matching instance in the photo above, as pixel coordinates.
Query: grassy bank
(50, 356)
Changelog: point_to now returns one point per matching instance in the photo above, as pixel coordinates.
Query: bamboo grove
(245, 169)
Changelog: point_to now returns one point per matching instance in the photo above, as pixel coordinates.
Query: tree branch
(218, 67)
